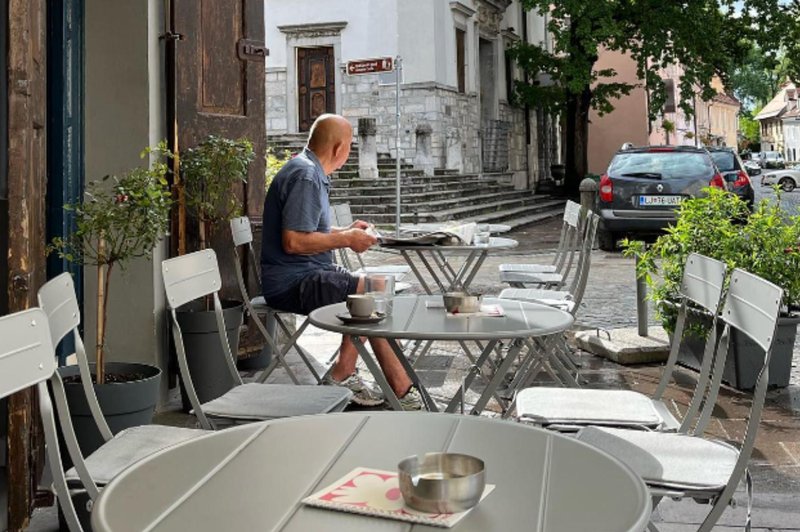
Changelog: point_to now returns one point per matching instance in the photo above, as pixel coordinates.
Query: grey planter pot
(124, 404)
(204, 353)
(744, 357)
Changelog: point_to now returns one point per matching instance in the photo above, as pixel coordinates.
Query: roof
(727, 99)
(776, 106)
(793, 114)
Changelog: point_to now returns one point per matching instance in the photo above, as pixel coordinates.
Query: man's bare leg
(394, 371)
(346, 362)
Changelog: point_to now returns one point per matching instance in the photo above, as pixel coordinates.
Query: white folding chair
(243, 237)
(196, 275)
(57, 299)
(686, 465)
(551, 354)
(27, 359)
(520, 275)
(343, 217)
(569, 409)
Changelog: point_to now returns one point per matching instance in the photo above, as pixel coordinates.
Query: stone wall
(453, 117)
(277, 121)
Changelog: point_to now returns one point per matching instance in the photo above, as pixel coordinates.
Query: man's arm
(303, 243)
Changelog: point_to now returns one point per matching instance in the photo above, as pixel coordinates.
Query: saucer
(348, 319)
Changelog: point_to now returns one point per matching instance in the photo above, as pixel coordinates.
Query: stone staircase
(442, 197)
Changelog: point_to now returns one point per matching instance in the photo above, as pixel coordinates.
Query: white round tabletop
(496, 243)
(253, 477)
(412, 319)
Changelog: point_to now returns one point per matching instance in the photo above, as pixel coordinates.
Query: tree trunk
(577, 141)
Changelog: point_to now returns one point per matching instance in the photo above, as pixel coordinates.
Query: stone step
(418, 188)
(459, 206)
(389, 181)
(506, 212)
(421, 197)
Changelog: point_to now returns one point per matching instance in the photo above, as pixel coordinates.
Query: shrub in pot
(121, 218)
(719, 225)
(209, 172)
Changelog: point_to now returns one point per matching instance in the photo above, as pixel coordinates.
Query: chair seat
(664, 460)
(572, 406)
(260, 402)
(531, 277)
(551, 298)
(534, 294)
(130, 446)
(397, 270)
(528, 268)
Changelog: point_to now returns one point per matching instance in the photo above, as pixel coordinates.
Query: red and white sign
(370, 66)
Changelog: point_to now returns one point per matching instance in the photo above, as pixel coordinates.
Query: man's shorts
(318, 289)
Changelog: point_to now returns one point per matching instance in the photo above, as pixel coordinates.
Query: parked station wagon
(642, 187)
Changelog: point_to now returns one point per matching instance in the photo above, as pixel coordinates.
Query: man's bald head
(327, 130)
(330, 138)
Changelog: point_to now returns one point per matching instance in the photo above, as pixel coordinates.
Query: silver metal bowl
(459, 302)
(441, 482)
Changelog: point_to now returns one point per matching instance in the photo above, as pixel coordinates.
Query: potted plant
(121, 218)
(765, 242)
(209, 172)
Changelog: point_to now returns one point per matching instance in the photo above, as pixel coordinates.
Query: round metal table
(253, 477)
(424, 318)
(436, 261)
(429, 227)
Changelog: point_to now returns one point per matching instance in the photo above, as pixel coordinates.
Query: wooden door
(25, 190)
(219, 89)
(316, 86)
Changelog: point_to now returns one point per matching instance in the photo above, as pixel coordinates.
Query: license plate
(660, 201)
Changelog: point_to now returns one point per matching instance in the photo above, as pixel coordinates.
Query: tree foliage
(705, 37)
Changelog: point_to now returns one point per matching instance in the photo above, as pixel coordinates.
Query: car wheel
(787, 184)
(607, 240)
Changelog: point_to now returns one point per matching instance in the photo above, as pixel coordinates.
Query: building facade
(455, 81)
(712, 123)
(791, 133)
(771, 119)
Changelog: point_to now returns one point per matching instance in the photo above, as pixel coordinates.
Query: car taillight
(717, 181)
(742, 179)
(606, 189)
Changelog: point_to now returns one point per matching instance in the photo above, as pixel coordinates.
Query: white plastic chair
(569, 409)
(57, 300)
(242, 234)
(686, 465)
(520, 275)
(196, 275)
(27, 359)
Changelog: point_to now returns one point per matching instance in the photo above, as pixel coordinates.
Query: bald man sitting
(297, 269)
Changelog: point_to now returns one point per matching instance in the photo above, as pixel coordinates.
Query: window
(509, 78)
(461, 57)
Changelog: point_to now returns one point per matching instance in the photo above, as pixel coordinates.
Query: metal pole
(398, 75)
(641, 303)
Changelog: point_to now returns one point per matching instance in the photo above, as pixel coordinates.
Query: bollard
(367, 148)
(423, 158)
(641, 302)
(588, 189)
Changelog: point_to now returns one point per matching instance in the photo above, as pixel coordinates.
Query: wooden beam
(27, 165)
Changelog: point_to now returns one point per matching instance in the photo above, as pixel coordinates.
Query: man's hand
(359, 240)
(359, 224)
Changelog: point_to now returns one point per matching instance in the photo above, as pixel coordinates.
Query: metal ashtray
(441, 482)
(461, 302)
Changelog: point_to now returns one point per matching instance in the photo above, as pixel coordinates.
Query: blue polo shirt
(297, 200)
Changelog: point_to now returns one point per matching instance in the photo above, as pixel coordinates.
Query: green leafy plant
(719, 225)
(121, 218)
(275, 161)
(209, 172)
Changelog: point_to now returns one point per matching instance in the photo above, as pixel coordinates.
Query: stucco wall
(124, 113)
(627, 123)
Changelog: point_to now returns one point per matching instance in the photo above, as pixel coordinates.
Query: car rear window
(664, 165)
(724, 160)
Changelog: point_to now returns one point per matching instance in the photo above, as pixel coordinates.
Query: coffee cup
(360, 305)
